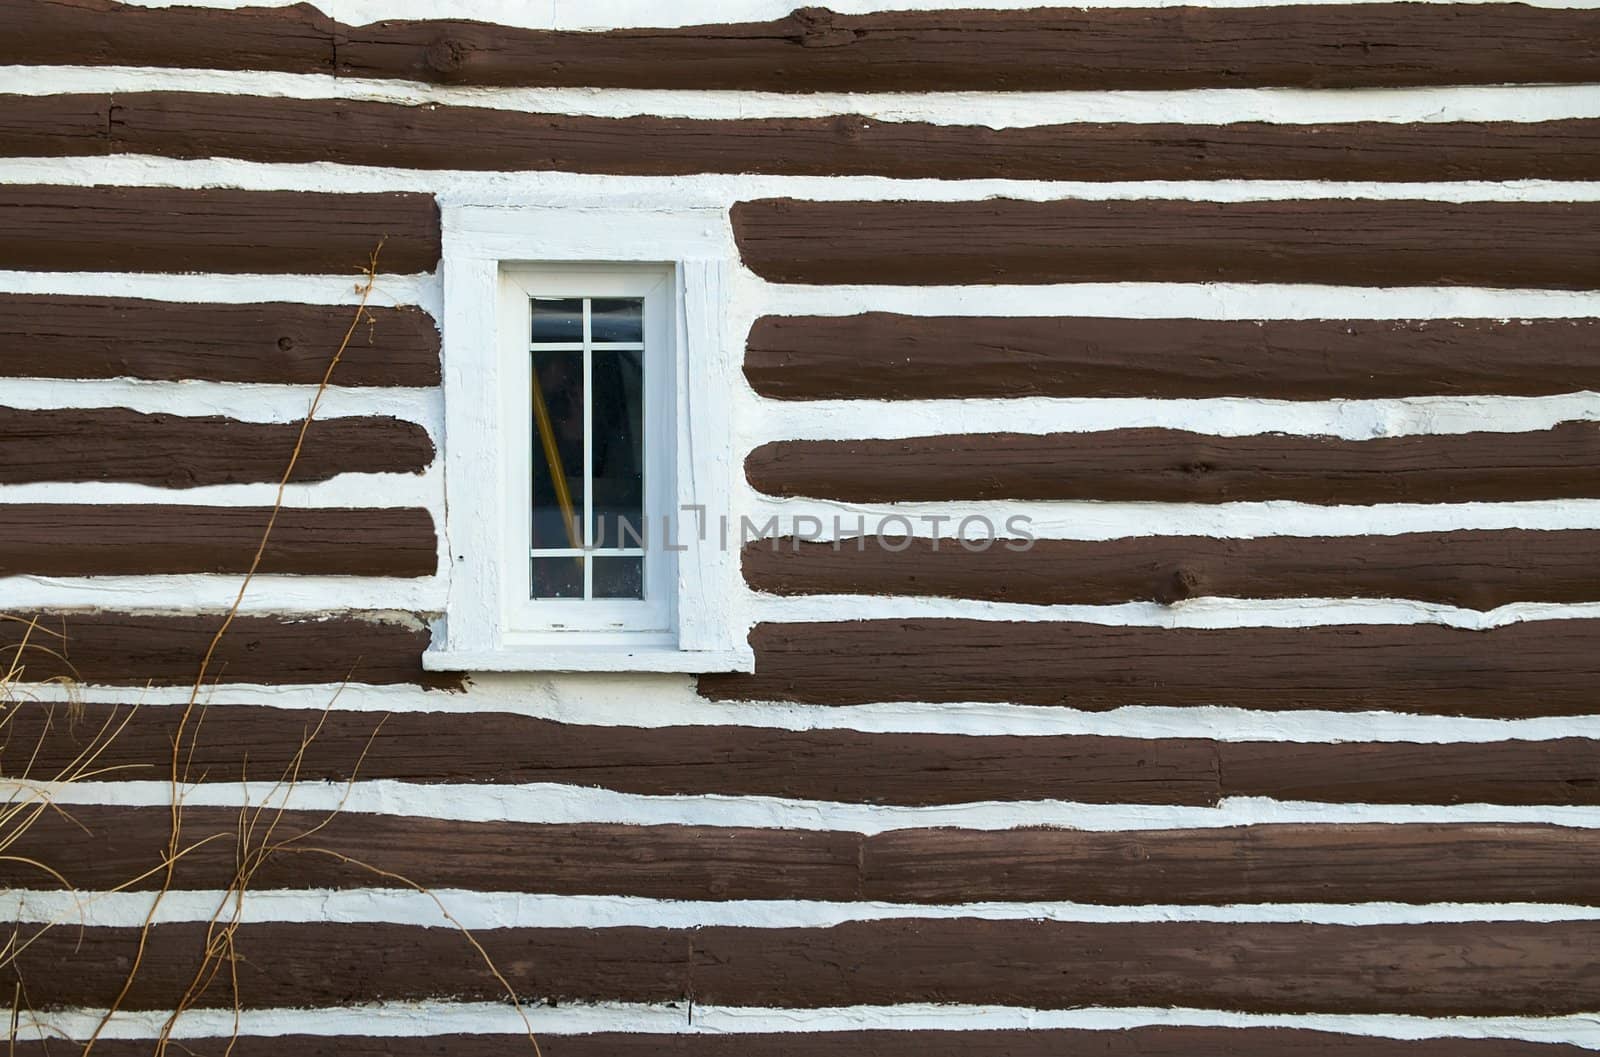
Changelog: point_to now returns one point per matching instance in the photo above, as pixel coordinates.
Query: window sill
(590, 659)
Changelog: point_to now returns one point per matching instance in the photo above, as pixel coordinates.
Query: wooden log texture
(1176, 466)
(1472, 569)
(1130, 1042)
(143, 539)
(1340, 242)
(1443, 969)
(121, 337)
(834, 765)
(238, 741)
(816, 50)
(1540, 668)
(361, 132)
(101, 848)
(157, 229)
(176, 451)
(135, 649)
(885, 356)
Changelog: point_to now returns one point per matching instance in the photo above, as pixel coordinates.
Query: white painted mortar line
(423, 1019)
(563, 804)
(300, 595)
(608, 14)
(660, 701)
(476, 909)
(552, 188)
(1289, 106)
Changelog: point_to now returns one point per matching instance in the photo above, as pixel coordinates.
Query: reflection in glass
(557, 319)
(557, 577)
(618, 473)
(616, 319)
(558, 477)
(618, 577)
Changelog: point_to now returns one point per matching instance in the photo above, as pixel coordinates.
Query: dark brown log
(300, 965)
(129, 649)
(813, 49)
(233, 742)
(174, 451)
(1243, 864)
(832, 765)
(121, 337)
(360, 132)
(146, 539)
(157, 229)
(100, 848)
(817, 50)
(39, 126)
(1337, 241)
(1438, 969)
(1175, 466)
(1132, 1042)
(1476, 968)
(884, 356)
(1539, 668)
(1559, 771)
(1472, 569)
(298, 39)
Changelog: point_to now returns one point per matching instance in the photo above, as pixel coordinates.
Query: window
(586, 443)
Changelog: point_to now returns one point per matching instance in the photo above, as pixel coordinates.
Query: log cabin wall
(1277, 325)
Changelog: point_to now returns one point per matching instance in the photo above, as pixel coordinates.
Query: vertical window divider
(588, 449)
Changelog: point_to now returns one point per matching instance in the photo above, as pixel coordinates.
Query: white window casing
(495, 258)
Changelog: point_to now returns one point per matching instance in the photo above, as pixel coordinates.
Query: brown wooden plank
(1129, 1042)
(33, 126)
(886, 356)
(100, 848)
(1558, 771)
(144, 539)
(311, 965)
(175, 451)
(158, 229)
(364, 132)
(133, 649)
(1473, 569)
(1474, 968)
(813, 49)
(1176, 466)
(298, 39)
(1546, 667)
(1337, 241)
(1445, 969)
(230, 742)
(1240, 864)
(123, 337)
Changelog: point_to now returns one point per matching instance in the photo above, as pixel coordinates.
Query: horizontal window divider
(597, 552)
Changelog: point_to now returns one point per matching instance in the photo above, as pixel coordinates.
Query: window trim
(481, 244)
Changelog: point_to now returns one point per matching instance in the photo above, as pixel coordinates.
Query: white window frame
(494, 256)
(528, 618)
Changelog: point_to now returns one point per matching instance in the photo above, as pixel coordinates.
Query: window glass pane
(618, 577)
(616, 319)
(618, 449)
(558, 319)
(557, 577)
(557, 471)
